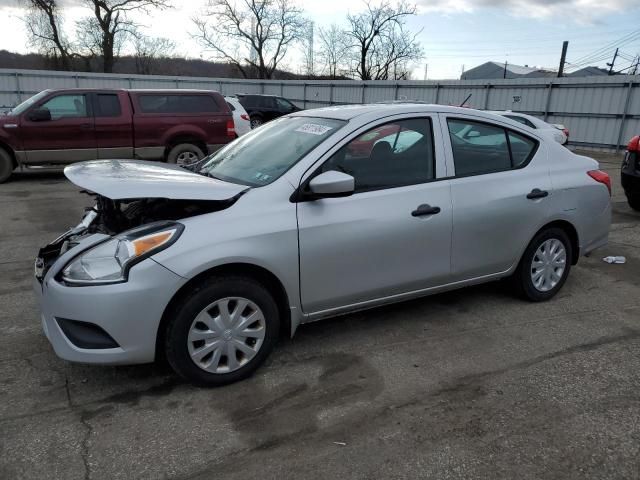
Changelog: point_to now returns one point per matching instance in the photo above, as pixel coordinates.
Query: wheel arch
(265, 277)
(571, 232)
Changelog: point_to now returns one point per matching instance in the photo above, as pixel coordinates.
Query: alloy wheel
(186, 158)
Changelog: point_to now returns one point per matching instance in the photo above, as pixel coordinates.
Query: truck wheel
(6, 166)
(634, 201)
(221, 331)
(185, 154)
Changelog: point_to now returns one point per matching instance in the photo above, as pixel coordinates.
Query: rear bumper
(630, 183)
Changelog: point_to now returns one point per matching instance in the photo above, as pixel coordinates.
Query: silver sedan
(316, 214)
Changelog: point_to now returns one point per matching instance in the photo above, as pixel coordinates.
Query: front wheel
(6, 166)
(221, 332)
(545, 265)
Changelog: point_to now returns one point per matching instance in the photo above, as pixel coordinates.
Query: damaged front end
(112, 217)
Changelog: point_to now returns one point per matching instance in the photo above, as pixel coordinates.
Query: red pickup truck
(71, 125)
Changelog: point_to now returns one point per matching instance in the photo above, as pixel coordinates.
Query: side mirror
(39, 115)
(332, 184)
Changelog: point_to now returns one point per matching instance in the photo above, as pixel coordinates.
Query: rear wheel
(545, 265)
(221, 332)
(256, 121)
(185, 154)
(634, 201)
(6, 165)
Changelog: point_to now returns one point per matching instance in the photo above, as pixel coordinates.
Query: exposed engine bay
(111, 217)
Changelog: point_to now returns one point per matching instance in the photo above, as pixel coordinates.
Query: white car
(559, 133)
(240, 116)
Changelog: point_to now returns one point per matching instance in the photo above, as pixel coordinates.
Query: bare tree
(252, 35)
(148, 50)
(333, 50)
(44, 24)
(384, 47)
(104, 34)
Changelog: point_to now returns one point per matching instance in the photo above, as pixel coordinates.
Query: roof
(516, 69)
(589, 72)
(348, 112)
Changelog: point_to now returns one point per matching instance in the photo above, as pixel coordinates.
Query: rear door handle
(537, 193)
(425, 209)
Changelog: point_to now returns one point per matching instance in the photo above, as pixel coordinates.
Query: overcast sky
(454, 32)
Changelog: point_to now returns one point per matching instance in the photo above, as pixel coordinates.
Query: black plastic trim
(86, 335)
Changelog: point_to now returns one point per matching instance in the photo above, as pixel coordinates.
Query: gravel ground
(468, 384)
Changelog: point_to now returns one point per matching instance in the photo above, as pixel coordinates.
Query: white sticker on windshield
(313, 129)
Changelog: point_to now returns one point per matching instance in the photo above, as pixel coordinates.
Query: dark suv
(262, 108)
(631, 173)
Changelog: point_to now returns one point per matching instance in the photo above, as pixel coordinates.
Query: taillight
(244, 116)
(634, 144)
(231, 129)
(601, 177)
(566, 132)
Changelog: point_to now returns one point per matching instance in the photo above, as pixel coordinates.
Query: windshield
(19, 109)
(266, 153)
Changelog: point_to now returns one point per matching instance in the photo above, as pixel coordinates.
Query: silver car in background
(316, 214)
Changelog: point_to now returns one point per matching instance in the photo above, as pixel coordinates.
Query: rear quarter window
(158, 103)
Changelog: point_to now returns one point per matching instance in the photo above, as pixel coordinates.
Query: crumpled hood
(129, 179)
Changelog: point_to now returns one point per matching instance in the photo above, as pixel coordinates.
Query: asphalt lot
(469, 384)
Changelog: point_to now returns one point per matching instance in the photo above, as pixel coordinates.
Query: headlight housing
(110, 261)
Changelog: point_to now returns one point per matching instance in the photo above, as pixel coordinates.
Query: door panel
(369, 245)
(113, 125)
(385, 239)
(493, 220)
(68, 137)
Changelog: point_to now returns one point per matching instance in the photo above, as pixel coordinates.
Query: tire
(256, 121)
(634, 201)
(6, 166)
(185, 154)
(548, 285)
(206, 303)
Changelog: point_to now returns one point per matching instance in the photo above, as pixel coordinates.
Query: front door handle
(425, 209)
(537, 193)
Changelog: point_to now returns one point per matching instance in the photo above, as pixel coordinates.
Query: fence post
(130, 82)
(548, 102)
(331, 94)
(220, 87)
(395, 94)
(177, 83)
(364, 85)
(282, 89)
(262, 87)
(624, 115)
(437, 93)
(18, 91)
(304, 95)
(486, 96)
(77, 80)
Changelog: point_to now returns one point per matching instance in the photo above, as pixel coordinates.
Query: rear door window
(158, 103)
(107, 105)
(480, 148)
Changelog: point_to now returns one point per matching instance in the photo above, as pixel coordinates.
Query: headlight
(109, 262)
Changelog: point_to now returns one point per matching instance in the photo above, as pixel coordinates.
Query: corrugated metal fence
(599, 111)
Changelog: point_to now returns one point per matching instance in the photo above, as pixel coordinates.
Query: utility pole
(613, 62)
(504, 74)
(462, 75)
(563, 58)
(426, 69)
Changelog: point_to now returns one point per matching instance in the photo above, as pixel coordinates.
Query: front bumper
(128, 312)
